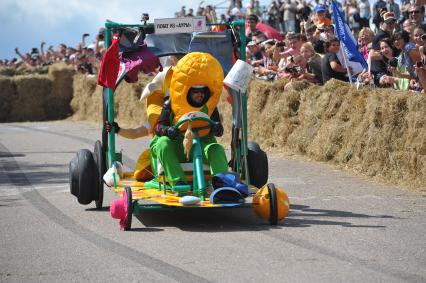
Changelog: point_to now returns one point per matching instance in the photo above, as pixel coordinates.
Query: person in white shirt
(289, 9)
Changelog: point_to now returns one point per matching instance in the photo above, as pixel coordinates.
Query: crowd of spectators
(391, 38)
(85, 57)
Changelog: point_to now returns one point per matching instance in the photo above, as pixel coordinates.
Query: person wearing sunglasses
(417, 15)
(387, 27)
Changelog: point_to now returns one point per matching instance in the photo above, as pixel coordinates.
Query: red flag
(110, 65)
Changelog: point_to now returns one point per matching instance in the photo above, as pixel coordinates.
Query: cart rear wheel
(73, 177)
(129, 203)
(257, 165)
(273, 204)
(86, 178)
(99, 157)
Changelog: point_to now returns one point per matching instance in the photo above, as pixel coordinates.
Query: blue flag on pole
(344, 35)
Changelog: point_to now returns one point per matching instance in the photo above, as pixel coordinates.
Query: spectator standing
(252, 31)
(210, 14)
(353, 17)
(302, 16)
(323, 34)
(237, 12)
(190, 13)
(386, 29)
(289, 9)
(304, 11)
(417, 15)
(320, 18)
(253, 8)
(364, 13)
(378, 7)
(274, 18)
(391, 6)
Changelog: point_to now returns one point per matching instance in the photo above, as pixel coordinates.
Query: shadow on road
(244, 219)
(304, 216)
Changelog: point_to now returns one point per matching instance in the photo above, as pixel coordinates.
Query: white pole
(345, 60)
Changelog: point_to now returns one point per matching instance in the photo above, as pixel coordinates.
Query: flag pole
(346, 62)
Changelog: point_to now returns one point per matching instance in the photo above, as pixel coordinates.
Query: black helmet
(198, 88)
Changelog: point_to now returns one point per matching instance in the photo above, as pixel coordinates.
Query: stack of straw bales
(36, 97)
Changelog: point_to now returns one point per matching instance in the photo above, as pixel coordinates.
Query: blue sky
(26, 23)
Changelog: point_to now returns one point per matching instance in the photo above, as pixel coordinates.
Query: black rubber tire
(99, 158)
(273, 204)
(87, 174)
(128, 224)
(257, 164)
(73, 177)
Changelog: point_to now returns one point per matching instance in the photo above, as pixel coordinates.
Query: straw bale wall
(379, 133)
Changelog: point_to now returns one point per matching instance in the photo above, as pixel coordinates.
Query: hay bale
(7, 72)
(379, 133)
(86, 103)
(31, 100)
(7, 95)
(62, 91)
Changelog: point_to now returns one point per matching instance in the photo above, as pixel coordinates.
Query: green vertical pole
(243, 40)
(244, 150)
(110, 92)
(198, 164)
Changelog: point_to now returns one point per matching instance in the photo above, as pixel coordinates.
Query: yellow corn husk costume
(194, 69)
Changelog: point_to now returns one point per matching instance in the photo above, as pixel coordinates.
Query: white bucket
(239, 76)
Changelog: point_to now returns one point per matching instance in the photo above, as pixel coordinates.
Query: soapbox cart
(248, 162)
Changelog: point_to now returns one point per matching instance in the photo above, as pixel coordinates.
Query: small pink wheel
(122, 209)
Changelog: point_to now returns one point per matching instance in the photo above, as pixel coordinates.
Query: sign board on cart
(180, 25)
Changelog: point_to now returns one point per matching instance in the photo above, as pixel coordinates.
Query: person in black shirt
(330, 65)
(381, 67)
(386, 29)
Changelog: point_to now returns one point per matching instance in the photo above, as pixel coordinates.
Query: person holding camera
(419, 37)
(313, 63)
(387, 71)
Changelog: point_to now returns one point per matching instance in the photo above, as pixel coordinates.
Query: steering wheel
(199, 121)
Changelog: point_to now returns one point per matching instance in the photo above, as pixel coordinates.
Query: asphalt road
(341, 228)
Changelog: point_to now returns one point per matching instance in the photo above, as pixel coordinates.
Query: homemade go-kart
(244, 186)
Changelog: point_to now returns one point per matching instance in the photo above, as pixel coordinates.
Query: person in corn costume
(195, 86)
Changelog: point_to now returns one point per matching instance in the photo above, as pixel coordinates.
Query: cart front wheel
(99, 157)
(129, 205)
(273, 204)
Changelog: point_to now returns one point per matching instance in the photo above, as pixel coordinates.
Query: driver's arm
(163, 124)
(215, 117)
(217, 127)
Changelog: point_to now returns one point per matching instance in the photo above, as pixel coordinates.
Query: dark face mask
(206, 97)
